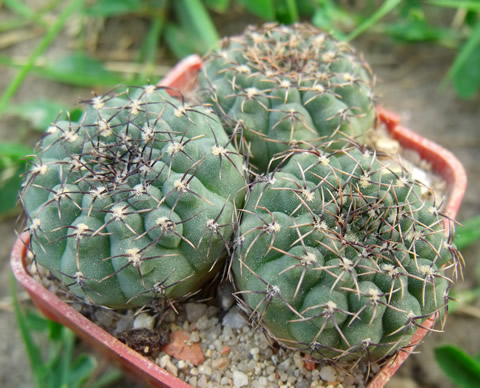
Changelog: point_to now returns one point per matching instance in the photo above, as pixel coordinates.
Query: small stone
(205, 370)
(194, 311)
(104, 318)
(220, 363)
(181, 364)
(181, 348)
(328, 373)
(195, 336)
(234, 319)
(240, 379)
(226, 349)
(144, 321)
(309, 363)
(171, 368)
(225, 381)
(124, 323)
(212, 311)
(202, 382)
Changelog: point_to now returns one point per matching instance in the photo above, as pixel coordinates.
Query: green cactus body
(337, 255)
(135, 201)
(277, 87)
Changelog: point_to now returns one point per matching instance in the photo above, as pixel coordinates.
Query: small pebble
(328, 373)
(144, 321)
(234, 319)
(240, 379)
(124, 323)
(220, 363)
(194, 311)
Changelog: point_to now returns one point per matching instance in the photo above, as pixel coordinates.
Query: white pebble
(143, 321)
(234, 319)
(202, 382)
(194, 311)
(328, 373)
(205, 370)
(240, 379)
(195, 336)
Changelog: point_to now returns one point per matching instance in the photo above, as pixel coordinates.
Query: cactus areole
(341, 257)
(278, 87)
(135, 200)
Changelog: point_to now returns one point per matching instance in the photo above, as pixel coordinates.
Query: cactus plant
(135, 200)
(277, 87)
(340, 256)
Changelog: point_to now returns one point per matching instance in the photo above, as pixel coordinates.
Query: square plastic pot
(182, 78)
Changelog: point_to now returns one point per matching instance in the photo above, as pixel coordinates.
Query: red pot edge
(180, 78)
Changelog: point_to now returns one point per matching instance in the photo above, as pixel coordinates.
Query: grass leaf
(264, 9)
(468, 233)
(384, 9)
(80, 69)
(33, 351)
(178, 41)
(39, 113)
(12, 167)
(108, 8)
(196, 22)
(462, 369)
(470, 5)
(219, 6)
(464, 69)
(71, 8)
(81, 370)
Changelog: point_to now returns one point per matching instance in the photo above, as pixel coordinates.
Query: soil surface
(409, 79)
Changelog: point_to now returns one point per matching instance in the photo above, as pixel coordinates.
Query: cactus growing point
(278, 87)
(135, 200)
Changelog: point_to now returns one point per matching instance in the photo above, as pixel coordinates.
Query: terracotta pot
(182, 77)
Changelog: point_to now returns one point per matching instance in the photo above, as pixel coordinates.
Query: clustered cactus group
(331, 251)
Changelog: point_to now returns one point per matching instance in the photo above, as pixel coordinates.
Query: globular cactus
(278, 87)
(135, 200)
(337, 255)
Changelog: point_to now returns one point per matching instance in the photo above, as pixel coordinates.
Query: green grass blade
(387, 7)
(24, 11)
(196, 21)
(81, 370)
(178, 41)
(47, 40)
(468, 233)
(466, 49)
(33, 351)
(107, 378)
(465, 71)
(109, 8)
(462, 369)
(469, 5)
(292, 11)
(149, 48)
(39, 113)
(462, 298)
(12, 165)
(261, 8)
(219, 6)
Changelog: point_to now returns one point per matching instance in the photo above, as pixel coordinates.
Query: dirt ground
(408, 83)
